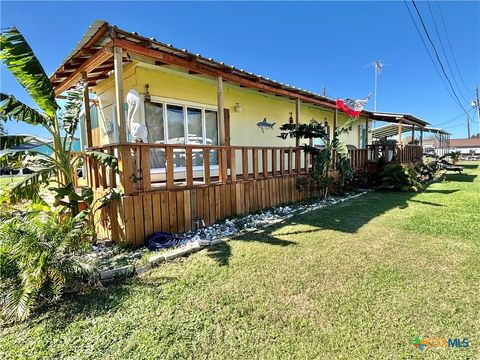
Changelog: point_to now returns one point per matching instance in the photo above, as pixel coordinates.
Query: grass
(7, 180)
(358, 280)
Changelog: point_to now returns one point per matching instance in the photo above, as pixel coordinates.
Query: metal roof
(101, 33)
(389, 130)
(396, 117)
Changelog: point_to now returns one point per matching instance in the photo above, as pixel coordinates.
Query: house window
(180, 124)
(176, 124)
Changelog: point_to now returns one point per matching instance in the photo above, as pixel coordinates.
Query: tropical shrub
(59, 168)
(39, 260)
(426, 168)
(323, 157)
(454, 155)
(399, 177)
(361, 179)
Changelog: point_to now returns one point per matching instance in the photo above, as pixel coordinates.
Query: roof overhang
(390, 130)
(398, 117)
(92, 59)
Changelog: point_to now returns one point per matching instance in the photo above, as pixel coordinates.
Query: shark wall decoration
(264, 125)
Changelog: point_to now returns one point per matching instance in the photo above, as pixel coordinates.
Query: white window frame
(185, 105)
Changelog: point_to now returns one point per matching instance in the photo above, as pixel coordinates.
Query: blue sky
(308, 45)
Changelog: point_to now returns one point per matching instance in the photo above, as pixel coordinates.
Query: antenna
(378, 67)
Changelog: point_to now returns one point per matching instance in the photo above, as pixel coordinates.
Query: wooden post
(298, 103)
(86, 106)
(366, 132)
(399, 137)
(274, 162)
(282, 162)
(145, 168)
(264, 163)
(223, 165)
(189, 166)
(413, 134)
(206, 165)
(255, 162)
(298, 161)
(245, 163)
(220, 111)
(335, 120)
(117, 64)
(125, 165)
(233, 167)
(421, 136)
(169, 168)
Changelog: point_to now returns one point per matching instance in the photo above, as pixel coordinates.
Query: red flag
(352, 107)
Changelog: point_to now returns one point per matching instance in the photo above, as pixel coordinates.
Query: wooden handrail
(179, 167)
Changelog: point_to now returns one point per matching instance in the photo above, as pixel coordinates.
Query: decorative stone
(143, 268)
(156, 259)
(117, 272)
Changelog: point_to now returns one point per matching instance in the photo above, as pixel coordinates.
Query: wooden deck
(174, 187)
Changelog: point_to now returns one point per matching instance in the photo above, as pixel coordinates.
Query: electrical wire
(436, 54)
(444, 52)
(435, 66)
(450, 47)
(455, 118)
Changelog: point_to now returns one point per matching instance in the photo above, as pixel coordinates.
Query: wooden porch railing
(394, 153)
(148, 167)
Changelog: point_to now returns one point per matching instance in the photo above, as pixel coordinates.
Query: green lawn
(357, 280)
(7, 180)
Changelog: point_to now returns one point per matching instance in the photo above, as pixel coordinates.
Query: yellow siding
(256, 106)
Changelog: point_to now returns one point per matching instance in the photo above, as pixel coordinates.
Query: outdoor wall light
(312, 120)
(147, 94)
(290, 119)
(238, 108)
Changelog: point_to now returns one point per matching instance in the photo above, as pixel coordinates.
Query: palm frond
(27, 158)
(30, 186)
(71, 111)
(9, 141)
(103, 158)
(14, 109)
(19, 59)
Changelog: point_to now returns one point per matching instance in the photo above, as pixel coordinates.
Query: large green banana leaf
(20, 60)
(14, 109)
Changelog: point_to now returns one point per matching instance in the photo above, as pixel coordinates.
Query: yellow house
(196, 138)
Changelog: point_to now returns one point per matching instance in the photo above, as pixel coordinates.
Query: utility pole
(476, 103)
(468, 126)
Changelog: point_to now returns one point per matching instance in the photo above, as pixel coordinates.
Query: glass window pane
(194, 126)
(154, 122)
(211, 128)
(155, 126)
(175, 124)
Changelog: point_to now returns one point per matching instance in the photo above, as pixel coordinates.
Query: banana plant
(61, 123)
(323, 157)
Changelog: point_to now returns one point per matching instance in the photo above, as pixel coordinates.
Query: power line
(444, 52)
(435, 66)
(437, 56)
(450, 47)
(455, 118)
